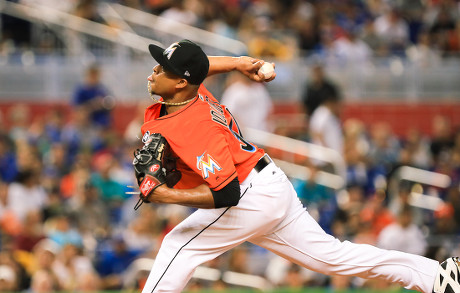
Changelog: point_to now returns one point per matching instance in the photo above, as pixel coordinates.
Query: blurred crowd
(354, 30)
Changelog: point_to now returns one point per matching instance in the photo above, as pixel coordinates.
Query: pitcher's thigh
(201, 237)
(304, 242)
(196, 240)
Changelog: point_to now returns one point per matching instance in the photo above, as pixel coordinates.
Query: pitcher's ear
(181, 83)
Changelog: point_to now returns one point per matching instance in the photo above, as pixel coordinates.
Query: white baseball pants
(270, 215)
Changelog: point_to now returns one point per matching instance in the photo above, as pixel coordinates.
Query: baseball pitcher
(195, 155)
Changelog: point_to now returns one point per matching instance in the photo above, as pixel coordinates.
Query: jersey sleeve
(151, 112)
(210, 157)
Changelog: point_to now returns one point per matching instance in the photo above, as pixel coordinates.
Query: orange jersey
(206, 139)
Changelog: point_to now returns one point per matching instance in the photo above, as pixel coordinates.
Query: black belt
(262, 163)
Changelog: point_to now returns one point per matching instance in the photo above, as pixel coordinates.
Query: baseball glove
(153, 168)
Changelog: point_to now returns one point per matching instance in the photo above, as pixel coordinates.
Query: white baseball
(267, 70)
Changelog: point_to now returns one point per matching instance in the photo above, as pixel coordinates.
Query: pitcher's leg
(174, 266)
(194, 241)
(208, 233)
(304, 242)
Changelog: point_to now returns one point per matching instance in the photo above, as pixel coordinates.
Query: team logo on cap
(170, 50)
(206, 164)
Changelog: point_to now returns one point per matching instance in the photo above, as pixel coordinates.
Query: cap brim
(157, 54)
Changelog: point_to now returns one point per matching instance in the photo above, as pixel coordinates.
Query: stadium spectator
(325, 125)
(42, 259)
(110, 190)
(61, 230)
(442, 228)
(55, 163)
(94, 97)
(401, 200)
(443, 23)
(238, 260)
(393, 30)
(453, 40)
(376, 213)
(142, 233)
(90, 212)
(277, 272)
(351, 51)
(453, 198)
(26, 194)
(456, 154)
(372, 39)
(179, 12)
(9, 221)
(317, 89)
(319, 199)
(74, 182)
(8, 159)
(293, 279)
(13, 273)
(423, 54)
(65, 6)
(19, 116)
(403, 235)
(112, 259)
(71, 266)
(88, 282)
(384, 150)
(31, 233)
(347, 218)
(87, 9)
(302, 20)
(312, 193)
(79, 136)
(441, 138)
(7, 279)
(249, 102)
(356, 146)
(43, 282)
(415, 150)
(16, 32)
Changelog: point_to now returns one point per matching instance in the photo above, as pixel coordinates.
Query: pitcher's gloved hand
(148, 166)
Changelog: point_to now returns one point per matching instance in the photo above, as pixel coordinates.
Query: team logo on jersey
(170, 50)
(206, 164)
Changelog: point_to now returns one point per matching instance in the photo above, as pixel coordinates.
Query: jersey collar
(155, 110)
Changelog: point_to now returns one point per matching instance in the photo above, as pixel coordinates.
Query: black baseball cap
(185, 59)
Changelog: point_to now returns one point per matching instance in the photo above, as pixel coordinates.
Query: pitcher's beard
(152, 96)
